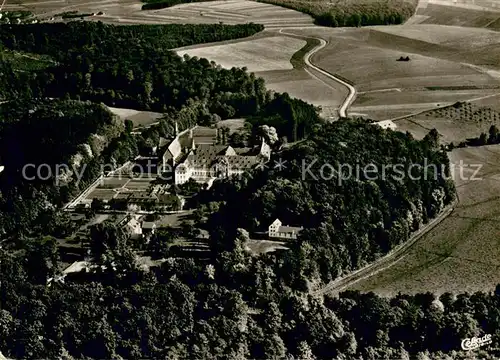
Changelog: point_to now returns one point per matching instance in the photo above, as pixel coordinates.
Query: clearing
(461, 253)
(139, 118)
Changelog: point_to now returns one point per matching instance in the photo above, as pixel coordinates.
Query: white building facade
(278, 231)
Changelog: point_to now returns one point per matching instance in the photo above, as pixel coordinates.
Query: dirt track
(385, 262)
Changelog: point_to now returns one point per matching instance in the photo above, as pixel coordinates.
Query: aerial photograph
(240, 179)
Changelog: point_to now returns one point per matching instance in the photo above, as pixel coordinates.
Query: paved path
(352, 91)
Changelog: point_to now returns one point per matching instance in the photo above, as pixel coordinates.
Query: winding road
(307, 60)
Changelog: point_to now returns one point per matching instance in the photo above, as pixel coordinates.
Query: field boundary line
(398, 252)
(403, 117)
(352, 90)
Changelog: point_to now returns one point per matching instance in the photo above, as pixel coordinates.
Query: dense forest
(351, 217)
(237, 307)
(340, 13)
(51, 150)
(132, 67)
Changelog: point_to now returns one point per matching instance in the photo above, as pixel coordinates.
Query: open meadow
(462, 252)
(139, 118)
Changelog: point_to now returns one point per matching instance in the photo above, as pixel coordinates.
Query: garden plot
(102, 194)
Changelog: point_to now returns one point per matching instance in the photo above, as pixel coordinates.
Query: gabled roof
(289, 229)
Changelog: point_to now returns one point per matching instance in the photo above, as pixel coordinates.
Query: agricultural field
(259, 247)
(454, 123)
(116, 187)
(461, 253)
(459, 44)
(269, 57)
(374, 105)
(129, 12)
(201, 135)
(468, 13)
(492, 102)
(267, 54)
(436, 74)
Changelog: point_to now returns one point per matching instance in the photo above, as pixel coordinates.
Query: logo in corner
(475, 342)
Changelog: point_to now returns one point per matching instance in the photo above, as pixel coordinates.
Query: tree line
(353, 13)
(160, 4)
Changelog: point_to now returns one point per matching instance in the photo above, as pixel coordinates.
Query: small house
(280, 231)
(133, 227)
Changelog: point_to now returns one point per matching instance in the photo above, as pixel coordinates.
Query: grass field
(102, 194)
(491, 102)
(270, 53)
(139, 118)
(202, 135)
(460, 254)
(234, 125)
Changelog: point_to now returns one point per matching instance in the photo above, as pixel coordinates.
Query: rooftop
(149, 225)
(289, 229)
